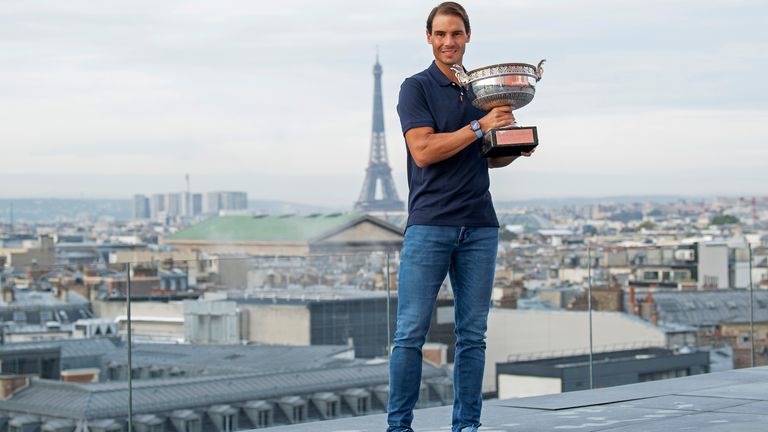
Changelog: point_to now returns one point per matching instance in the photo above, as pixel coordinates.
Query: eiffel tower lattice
(378, 175)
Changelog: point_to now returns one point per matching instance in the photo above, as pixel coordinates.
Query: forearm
(500, 162)
(435, 147)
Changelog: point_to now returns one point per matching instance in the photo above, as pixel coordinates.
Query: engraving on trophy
(514, 136)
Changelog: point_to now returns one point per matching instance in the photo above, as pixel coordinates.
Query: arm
(428, 147)
(502, 161)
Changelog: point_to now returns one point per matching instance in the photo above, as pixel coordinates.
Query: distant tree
(724, 220)
(646, 225)
(507, 235)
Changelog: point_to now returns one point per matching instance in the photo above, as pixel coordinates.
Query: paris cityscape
(627, 293)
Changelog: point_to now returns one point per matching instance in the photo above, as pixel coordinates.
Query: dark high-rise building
(378, 175)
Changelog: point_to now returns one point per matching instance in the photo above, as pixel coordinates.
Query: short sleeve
(412, 106)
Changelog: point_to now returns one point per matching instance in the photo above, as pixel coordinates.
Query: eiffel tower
(378, 172)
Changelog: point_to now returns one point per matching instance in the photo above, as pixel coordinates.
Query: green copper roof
(264, 228)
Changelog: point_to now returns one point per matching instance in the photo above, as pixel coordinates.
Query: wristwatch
(475, 125)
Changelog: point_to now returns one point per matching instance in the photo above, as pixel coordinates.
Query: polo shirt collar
(438, 75)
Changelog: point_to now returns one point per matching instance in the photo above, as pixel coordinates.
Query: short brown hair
(448, 8)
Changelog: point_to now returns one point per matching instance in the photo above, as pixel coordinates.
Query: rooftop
(702, 308)
(733, 401)
(264, 228)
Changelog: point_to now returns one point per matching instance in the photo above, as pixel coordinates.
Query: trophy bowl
(512, 84)
(505, 84)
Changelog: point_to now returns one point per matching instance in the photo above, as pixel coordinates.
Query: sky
(108, 99)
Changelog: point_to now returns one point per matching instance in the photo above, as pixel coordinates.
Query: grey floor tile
(701, 422)
(760, 407)
(582, 398)
(590, 419)
(688, 403)
(753, 390)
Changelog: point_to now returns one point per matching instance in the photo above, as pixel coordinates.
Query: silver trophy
(511, 84)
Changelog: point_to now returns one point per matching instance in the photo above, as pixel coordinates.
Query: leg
(424, 263)
(472, 272)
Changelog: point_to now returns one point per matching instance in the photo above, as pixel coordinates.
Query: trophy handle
(540, 70)
(460, 74)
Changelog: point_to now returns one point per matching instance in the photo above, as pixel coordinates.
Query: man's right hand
(496, 118)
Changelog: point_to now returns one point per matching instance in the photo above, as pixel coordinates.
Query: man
(452, 227)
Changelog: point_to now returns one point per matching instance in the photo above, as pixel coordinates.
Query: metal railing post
(389, 312)
(751, 311)
(130, 349)
(589, 303)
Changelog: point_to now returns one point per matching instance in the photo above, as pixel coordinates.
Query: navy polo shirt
(452, 192)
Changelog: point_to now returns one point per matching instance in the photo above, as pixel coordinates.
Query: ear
(429, 38)
(469, 35)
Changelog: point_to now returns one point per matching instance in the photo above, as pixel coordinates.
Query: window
(330, 409)
(192, 426)
(651, 276)
(228, 423)
(298, 413)
(660, 375)
(710, 281)
(20, 316)
(263, 419)
(113, 373)
(46, 316)
(362, 405)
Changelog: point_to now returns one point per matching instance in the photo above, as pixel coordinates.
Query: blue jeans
(468, 256)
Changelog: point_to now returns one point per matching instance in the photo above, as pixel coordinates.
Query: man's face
(448, 39)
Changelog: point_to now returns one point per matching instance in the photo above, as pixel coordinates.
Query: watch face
(474, 124)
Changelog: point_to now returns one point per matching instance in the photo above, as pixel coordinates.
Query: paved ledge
(733, 401)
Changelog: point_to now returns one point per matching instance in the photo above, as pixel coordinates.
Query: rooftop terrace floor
(733, 401)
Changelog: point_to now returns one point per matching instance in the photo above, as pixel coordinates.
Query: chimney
(633, 309)
(62, 293)
(46, 242)
(8, 294)
(10, 384)
(649, 310)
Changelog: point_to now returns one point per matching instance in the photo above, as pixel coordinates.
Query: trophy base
(510, 141)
